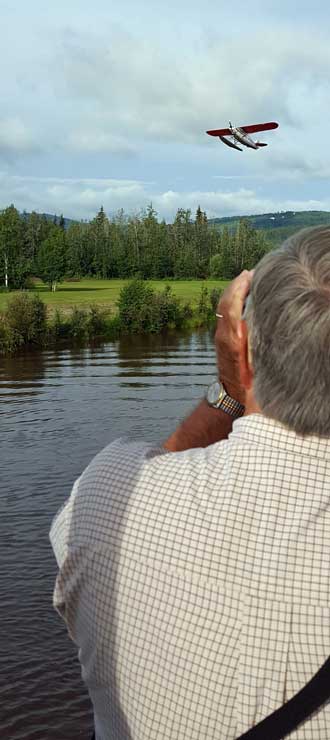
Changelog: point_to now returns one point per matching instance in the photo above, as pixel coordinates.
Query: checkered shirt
(196, 584)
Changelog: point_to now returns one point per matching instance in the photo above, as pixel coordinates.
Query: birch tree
(12, 260)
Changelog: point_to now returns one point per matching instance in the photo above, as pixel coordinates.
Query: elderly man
(195, 577)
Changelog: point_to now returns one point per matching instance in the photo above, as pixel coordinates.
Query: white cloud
(81, 198)
(127, 89)
(78, 198)
(99, 90)
(15, 137)
(99, 141)
(231, 203)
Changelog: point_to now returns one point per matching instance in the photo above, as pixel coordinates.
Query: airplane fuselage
(243, 138)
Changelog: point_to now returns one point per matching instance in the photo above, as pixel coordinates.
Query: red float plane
(241, 134)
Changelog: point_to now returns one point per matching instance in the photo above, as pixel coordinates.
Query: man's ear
(244, 358)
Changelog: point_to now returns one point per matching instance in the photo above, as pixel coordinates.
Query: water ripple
(59, 408)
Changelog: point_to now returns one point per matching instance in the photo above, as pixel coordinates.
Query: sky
(107, 103)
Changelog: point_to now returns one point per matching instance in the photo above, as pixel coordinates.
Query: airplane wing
(259, 127)
(220, 132)
(248, 129)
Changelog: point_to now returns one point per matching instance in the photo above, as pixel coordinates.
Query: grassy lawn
(106, 292)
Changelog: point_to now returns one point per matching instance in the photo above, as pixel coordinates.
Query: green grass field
(106, 292)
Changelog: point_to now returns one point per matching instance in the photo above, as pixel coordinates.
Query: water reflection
(21, 376)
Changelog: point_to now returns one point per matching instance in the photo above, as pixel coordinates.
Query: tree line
(123, 246)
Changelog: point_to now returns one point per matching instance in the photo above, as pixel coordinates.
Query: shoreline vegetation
(141, 307)
(113, 276)
(129, 273)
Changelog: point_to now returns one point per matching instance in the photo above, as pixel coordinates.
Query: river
(59, 408)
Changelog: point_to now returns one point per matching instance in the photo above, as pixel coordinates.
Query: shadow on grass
(45, 289)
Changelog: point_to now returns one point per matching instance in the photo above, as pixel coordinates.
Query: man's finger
(239, 296)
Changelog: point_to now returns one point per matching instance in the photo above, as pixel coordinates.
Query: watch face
(214, 392)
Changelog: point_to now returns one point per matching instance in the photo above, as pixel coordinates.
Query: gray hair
(288, 319)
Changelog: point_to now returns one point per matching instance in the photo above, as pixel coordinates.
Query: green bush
(170, 309)
(174, 312)
(78, 323)
(215, 298)
(143, 310)
(58, 326)
(186, 312)
(113, 327)
(96, 323)
(204, 308)
(26, 316)
(10, 340)
(134, 303)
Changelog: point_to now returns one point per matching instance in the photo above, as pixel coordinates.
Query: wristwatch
(217, 397)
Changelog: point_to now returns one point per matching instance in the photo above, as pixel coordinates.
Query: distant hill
(51, 217)
(277, 226)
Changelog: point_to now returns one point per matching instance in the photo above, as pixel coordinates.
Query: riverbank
(140, 307)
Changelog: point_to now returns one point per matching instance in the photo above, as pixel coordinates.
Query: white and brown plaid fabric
(197, 584)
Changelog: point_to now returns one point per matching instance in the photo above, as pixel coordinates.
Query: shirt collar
(259, 429)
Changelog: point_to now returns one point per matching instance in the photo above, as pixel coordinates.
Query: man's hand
(207, 425)
(227, 335)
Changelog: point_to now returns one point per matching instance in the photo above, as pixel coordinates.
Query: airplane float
(241, 134)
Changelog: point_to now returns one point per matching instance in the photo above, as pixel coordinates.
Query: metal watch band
(231, 407)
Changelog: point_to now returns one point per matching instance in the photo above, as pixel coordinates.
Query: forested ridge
(32, 245)
(277, 226)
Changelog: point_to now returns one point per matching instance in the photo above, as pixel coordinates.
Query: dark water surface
(58, 409)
